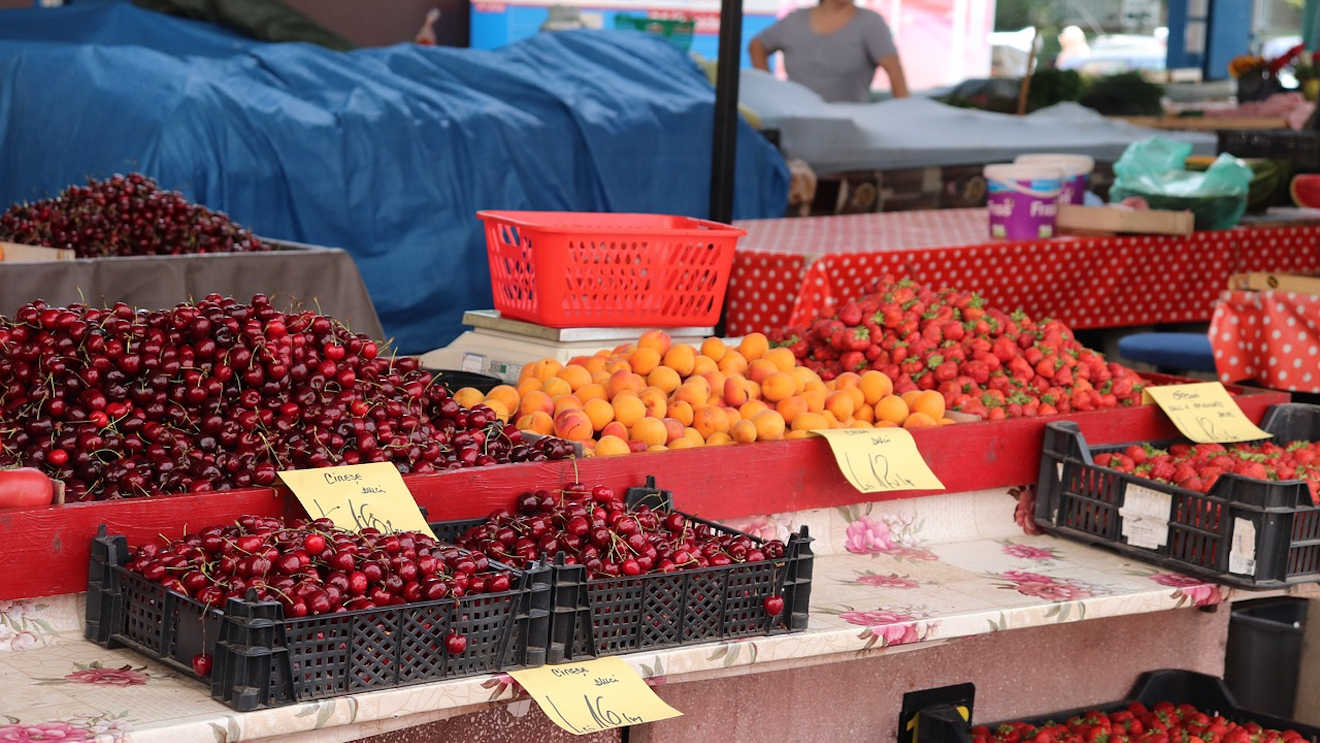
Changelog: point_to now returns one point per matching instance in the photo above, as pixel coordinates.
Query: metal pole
(724, 149)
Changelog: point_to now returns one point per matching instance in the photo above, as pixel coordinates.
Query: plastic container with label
(1076, 172)
(1023, 200)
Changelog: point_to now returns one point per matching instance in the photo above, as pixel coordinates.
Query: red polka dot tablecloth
(1272, 337)
(788, 271)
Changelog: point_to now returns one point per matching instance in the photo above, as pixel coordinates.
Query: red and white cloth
(787, 271)
(1272, 337)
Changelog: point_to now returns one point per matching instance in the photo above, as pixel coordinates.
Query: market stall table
(1272, 337)
(895, 581)
(787, 271)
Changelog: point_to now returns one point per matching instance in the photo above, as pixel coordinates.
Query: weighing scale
(499, 346)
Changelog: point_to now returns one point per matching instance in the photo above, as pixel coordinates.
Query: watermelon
(1305, 190)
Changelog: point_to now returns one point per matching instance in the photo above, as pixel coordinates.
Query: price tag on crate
(1204, 412)
(593, 695)
(876, 460)
(358, 496)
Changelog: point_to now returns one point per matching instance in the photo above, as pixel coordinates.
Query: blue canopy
(386, 152)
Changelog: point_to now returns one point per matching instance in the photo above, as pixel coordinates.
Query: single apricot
(810, 422)
(753, 389)
(716, 380)
(628, 408)
(845, 380)
(735, 393)
(578, 361)
(615, 428)
(537, 422)
(891, 408)
(864, 412)
(656, 402)
(468, 396)
(507, 395)
(650, 431)
(623, 349)
(665, 378)
(719, 438)
(759, 369)
(841, 405)
(695, 392)
(853, 392)
(744, 432)
(612, 446)
(527, 385)
(644, 360)
(858, 423)
(919, 420)
(681, 411)
(703, 365)
(769, 425)
(791, 407)
(685, 443)
(778, 386)
(782, 358)
(548, 368)
(674, 428)
(681, 358)
(693, 435)
(656, 339)
(536, 400)
(910, 397)
(751, 408)
(830, 420)
(596, 365)
(714, 349)
(733, 362)
(753, 346)
(573, 424)
(815, 399)
(599, 411)
(617, 365)
(805, 377)
(576, 375)
(884, 424)
(930, 403)
(710, 420)
(624, 381)
(804, 433)
(657, 447)
(554, 387)
(591, 392)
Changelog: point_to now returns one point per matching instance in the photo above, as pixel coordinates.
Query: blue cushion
(1190, 351)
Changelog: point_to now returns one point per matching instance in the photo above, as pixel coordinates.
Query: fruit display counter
(906, 594)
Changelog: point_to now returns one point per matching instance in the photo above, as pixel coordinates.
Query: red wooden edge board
(46, 549)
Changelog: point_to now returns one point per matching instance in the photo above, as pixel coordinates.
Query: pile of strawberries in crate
(983, 360)
(1162, 723)
(1198, 466)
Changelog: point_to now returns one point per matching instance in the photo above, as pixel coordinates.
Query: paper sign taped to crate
(594, 695)
(1242, 556)
(876, 460)
(1145, 515)
(358, 496)
(1205, 413)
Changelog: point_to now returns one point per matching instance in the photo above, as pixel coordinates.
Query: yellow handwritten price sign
(593, 695)
(1204, 412)
(358, 496)
(876, 460)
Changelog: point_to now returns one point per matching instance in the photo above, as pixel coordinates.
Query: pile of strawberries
(1164, 723)
(983, 360)
(1198, 466)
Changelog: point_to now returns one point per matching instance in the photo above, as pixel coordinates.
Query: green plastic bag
(1155, 170)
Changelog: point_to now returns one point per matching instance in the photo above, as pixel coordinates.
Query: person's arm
(893, 67)
(759, 54)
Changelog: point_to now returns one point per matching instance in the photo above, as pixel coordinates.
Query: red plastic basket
(579, 269)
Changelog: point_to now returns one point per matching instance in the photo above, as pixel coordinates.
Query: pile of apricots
(655, 395)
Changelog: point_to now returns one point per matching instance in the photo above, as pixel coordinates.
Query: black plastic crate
(1301, 149)
(1079, 499)
(942, 724)
(611, 616)
(261, 659)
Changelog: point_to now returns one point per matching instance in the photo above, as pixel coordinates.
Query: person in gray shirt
(833, 49)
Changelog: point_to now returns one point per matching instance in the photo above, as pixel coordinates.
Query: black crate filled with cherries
(632, 573)
(274, 613)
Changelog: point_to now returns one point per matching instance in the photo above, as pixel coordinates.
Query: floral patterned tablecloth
(886, 574)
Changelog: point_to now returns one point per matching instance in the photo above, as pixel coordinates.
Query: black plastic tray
(1301, 149)
(261, 659)
(1079, 499)
(610, 616)
(1207, 693)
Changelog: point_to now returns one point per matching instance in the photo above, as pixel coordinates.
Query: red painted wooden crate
(46, 549)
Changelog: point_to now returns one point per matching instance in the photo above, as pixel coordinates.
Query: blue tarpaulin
(386, 152)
